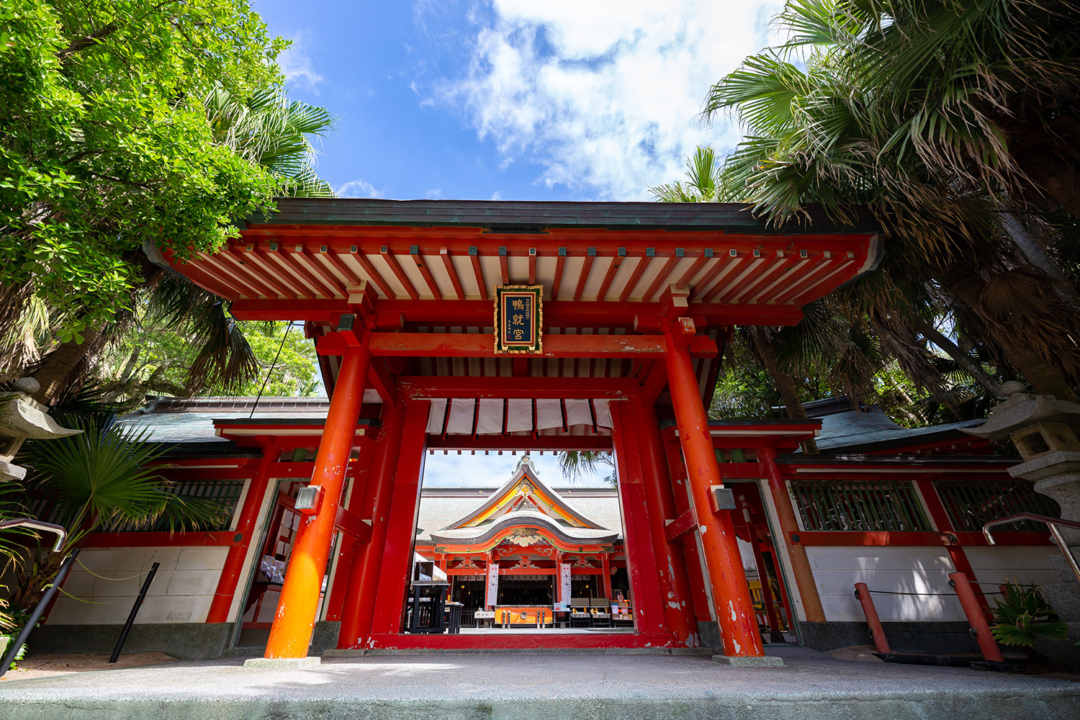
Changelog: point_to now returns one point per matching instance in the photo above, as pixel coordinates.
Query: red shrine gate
(634, 299)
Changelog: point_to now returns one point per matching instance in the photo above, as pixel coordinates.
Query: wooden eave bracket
(675, 530)
(350, 524)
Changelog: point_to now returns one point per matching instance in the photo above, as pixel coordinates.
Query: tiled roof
(870, 429)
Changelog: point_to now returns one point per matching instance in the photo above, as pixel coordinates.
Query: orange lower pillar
(294, 621)
(876, 631)
(730, 593)
(976, 618)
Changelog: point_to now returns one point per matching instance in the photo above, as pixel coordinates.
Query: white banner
(564, 583)
(492, 597)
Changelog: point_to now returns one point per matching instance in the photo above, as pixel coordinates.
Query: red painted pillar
(734, 609)
(641, 563)
(401, 532)
(234, 561)
(375, 506)
(294, 621)
(956, 552)
(677, 471)
(350, 547)
(670, 566)
(605, 565)
(876, 631)
(800, 563)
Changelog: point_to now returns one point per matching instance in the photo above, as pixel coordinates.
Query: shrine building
(528, 328)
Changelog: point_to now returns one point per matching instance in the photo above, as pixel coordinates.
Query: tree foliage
(105, 142)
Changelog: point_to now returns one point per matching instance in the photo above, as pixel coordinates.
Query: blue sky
(465, 470)
(513, 99)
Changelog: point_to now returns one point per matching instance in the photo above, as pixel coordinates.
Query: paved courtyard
(547, 686)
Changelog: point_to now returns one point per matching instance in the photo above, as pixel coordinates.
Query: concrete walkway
(548, 686)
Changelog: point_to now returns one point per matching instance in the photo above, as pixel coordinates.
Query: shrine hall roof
(534, 217)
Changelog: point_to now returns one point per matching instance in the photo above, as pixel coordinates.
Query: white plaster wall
(1025, 565)
(895, 569)
(182, 590)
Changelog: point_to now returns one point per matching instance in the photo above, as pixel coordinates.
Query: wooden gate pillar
(800, 564)
(234, 561)
(364, 571)
(670, 564)
(294, 621)
(730, 593)
(397, 549)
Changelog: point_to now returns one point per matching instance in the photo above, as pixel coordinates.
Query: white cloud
(435, 194)
(296, 65)
(496, 195)
(605, 94)
(359, 189)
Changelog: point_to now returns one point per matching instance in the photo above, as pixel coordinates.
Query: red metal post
(987, 644)
(878, 633)
(641, 563)
(364, 571)
(294, 621)
(671, 566)
(398, 547)
(234, 561)
(730, 593)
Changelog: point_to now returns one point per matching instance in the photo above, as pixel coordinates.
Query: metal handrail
(1051, 522)
(61, 533)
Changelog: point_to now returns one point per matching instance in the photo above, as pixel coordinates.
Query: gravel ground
(39, 666)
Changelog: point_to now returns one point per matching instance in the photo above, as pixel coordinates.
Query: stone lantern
(22, 417)
(1044, 429)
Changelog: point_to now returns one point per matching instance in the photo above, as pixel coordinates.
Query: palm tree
(98, 479)
(265, 128)
(887, 111)
(577, 463)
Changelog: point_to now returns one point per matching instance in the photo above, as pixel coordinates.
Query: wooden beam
(750, 277)
(674, 530)
(210, 283)
(401, 276)
(479, 273)
(699, 263)
(297, 260)
(747, 271)
(643, 263)
(451, 345)
(584, 276)
(375, 276)
(658, 281)
(448, 263)
(550, 443)
(654, 384)
(273, 258)
(508, 387)
(228, 260)
(425, 273)
(532, 266)
(504, 266)
(253, 263)
(349, 524)
(609, 276)
(322, 273)
(721, 264)
(350, 277)
(560, 264)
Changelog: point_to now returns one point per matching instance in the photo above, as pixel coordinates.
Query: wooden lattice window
(971, 504)
(864, 506)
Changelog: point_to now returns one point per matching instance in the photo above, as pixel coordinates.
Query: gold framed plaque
(519, 319)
